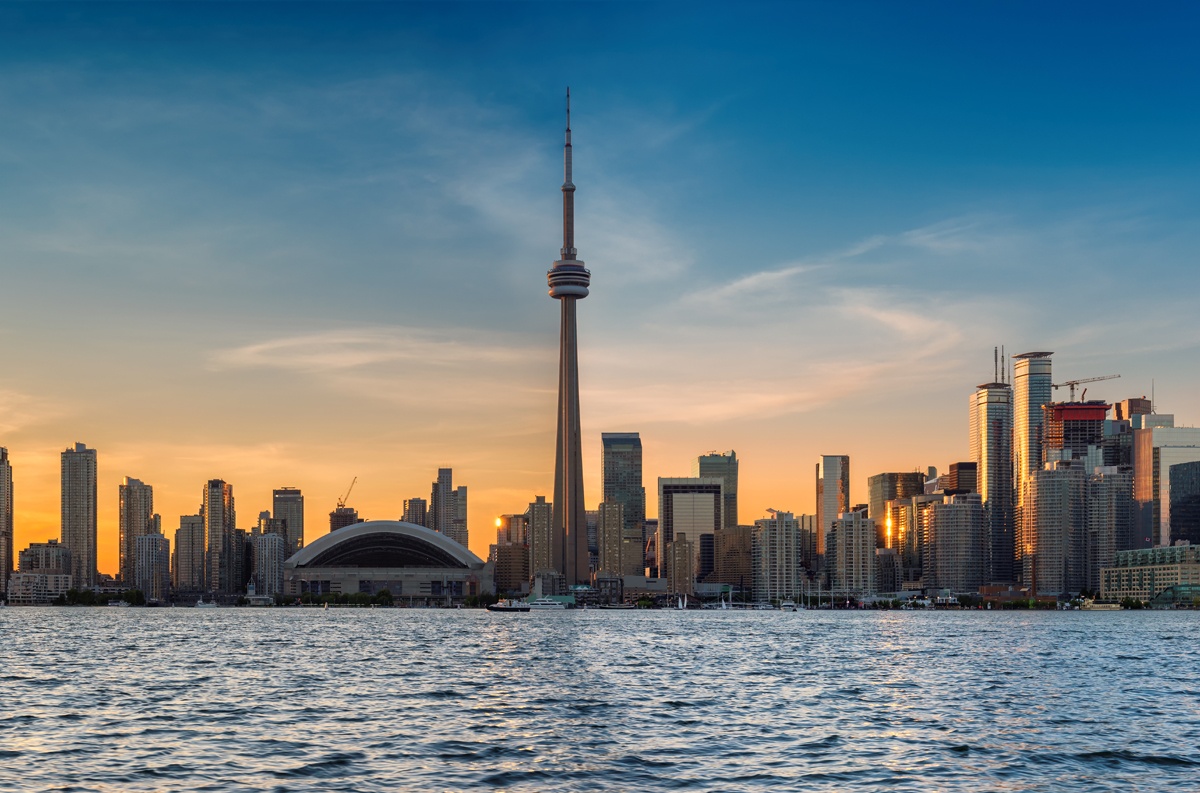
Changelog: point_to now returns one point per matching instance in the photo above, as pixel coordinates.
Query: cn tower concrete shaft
(569, 281)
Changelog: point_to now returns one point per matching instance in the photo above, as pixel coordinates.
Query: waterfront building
(733, 558)
(1054, 528)
(621, 467)
(136, 519)
(6, 522)
(271, 550)
(1185, 502)
(342, 516)
(1032, 388)
(220, 523)
(1111, 520)
(79, 513)
(1156, 451)
(1073, 427)
(592, 518)
(568, 280)
(691, 505)
(889, 573)
(511, 530)
(189, 555)
(955, 545)
(1144, 573)
(152, 567)
(776, 557)
(44, 571)
(540, 519)
(679, 565)
(808, 542)
(723, 466)
(882, 488)
(287, 505)
(610, 530)
(409, 561)
(511, 565)
(416, 510)
(270, 525)
(833, 497)
(850, 555)
(909, 522)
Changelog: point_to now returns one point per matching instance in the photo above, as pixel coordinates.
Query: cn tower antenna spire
(568, 191)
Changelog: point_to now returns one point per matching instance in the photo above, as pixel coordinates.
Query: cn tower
(568, 281)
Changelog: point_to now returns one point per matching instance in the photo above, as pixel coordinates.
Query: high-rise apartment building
(152, 566)
(1111, 519)
(1156, 450)
(512, 530)
(79, 513)
(270, 552)
(416, 510)
(6, 522)
(723, 466)
(850, 555)
(540, 520)
(190, 551)
(288, 507)
(991, 444)
(342, 516)
(776, 554)
(135, 500)
(962, 478)
(692, 505)
(1053, 539)
(1072, 427)
(222, 554)
(1031, 390)
(679, 565)
(44, 573)
(448, 507)
(610, 538)
(833, 496)
(621, 470)
(956, 547)
(733, 562)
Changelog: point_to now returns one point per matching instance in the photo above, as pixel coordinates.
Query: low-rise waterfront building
(1145, 572)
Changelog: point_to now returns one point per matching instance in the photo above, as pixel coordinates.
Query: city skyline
(324, 306)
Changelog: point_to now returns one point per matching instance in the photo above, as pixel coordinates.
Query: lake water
(379, 700)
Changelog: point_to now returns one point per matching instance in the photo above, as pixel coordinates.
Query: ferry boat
(547, 604)
(507, 605)
(787, 605)
(205, 604)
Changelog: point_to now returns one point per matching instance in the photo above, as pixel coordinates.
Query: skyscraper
(955, 548)
(152, 566)
(1053, 541)
(991, 439)
(540, 520)
(288, 506)
(189, 554)
(776, 554)
(692, 506)
(6, 522)
(621, 467)
(448, 507)
(416, 510)
(850, 555)
(79, 513)
(568, 280)
(833, 495)
(220, 523)
(137, 519)
(1031, 390)
(882, 488)
(724, 466)
(1156, 451)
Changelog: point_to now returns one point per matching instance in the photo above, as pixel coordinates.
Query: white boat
(787, 605)
(203, 604)
(547, 604)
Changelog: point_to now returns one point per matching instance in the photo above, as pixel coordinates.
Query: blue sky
(279, 232)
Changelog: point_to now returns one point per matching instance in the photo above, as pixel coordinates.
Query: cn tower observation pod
(413, 563)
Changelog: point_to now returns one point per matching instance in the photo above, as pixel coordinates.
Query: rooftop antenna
(995, 364)
(1004, 366)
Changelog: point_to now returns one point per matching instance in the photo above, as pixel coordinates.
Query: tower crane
(342, 500)
(1072, 383)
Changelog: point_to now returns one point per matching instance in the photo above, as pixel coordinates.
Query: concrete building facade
(79, 513)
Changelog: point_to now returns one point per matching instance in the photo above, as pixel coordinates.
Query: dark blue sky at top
(805, 127)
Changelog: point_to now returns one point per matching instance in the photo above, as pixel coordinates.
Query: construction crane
(1072, 383)
(342, 500)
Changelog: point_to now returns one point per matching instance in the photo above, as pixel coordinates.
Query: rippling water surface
(366, 700)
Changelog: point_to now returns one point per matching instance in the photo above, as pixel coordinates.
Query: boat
(621, 606)
(203, 604)
(547, 604)
(507, 605)
(1091, 605)
(787, 605)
